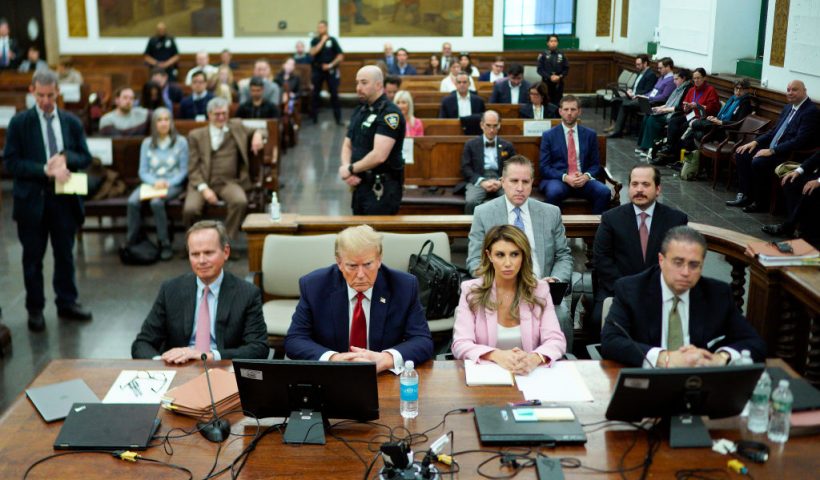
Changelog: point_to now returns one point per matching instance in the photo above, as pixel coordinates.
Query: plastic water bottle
(275, 209)
(746, 358)
(409, 380)
(780, 421)
(759, 408)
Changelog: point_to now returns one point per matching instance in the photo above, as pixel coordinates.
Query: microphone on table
(217, 429)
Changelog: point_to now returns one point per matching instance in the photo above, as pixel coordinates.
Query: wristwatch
(350, 168)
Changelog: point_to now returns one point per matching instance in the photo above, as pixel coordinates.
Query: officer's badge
(504, 153)
(392, 120)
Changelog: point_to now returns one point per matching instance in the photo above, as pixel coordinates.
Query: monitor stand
(688, 431)
(305, 427)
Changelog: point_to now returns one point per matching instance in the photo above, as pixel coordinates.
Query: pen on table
(526, 403)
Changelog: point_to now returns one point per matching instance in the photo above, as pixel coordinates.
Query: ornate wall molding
(779, 31)
(77, 19)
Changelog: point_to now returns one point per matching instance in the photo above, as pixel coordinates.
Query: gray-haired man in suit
(208, 311)
(540, 221)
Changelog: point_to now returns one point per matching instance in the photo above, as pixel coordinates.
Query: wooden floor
(121, 296)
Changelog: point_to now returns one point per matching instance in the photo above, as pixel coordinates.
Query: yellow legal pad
(77, 184)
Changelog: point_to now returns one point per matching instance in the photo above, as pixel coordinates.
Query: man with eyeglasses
(644, 84)
(208, 311)
(675, 317)
(496, 73)
(462, 102)
(482, 160)
(515, 90)
(359, 310)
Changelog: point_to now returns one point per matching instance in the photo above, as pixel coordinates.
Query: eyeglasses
(155, 381)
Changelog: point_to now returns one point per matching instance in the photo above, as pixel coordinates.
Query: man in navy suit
(677, 318)
(512, 90)
(629, 237)
(495, 73)
(801, 188)
(462, 102)
(195, 106)
(796, 129)
(43, 147)
(482, 162)
(359, 310)
(569, 160)
(400, 66)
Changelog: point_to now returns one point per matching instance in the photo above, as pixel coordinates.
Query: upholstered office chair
(594, 349)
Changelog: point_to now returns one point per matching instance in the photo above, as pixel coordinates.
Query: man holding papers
(506, 315)
(43, 147)
(674, 317)
(208, 311)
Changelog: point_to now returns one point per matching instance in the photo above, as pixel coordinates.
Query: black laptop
(108, 426)
(505, 426)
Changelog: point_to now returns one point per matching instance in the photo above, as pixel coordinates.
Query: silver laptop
(54, 401)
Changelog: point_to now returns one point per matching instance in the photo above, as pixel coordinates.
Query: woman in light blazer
(506, 315)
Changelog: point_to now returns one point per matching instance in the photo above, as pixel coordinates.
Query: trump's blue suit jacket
(554, 153)
(321, 321)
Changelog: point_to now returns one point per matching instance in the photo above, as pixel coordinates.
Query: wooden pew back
(452, 126)
(430, 110)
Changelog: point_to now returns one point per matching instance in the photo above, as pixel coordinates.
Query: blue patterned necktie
(782, 129)
(52, 139)
(519, 222)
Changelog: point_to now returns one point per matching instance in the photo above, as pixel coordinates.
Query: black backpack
(439, 282)
(142, 252)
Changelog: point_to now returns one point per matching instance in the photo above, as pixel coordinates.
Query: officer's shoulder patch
(392, 120)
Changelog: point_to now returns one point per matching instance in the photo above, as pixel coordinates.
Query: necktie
(674, 334)
(782, 129)
(52, 139)
(489, 144)
(572, 155)
(358, 330)
(644, 233)
(202, 342)
(518, 222)
(4, 57)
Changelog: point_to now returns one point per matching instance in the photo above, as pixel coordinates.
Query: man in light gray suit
(540, 221)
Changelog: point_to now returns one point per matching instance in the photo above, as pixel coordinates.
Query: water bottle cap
(745, 353)
(409, 365)
(783, 383)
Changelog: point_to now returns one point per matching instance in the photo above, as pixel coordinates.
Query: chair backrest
(751, 126)
(399, 246)
(286, 258)
(627, 79)
(531, 74)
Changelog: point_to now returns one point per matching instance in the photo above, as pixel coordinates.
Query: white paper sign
(5, 115)
(407, 151)
(70, 92)
(102, 149)
(255, 124)
(535, 128)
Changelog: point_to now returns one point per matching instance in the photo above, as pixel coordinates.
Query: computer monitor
(308, 393)
(683, 395)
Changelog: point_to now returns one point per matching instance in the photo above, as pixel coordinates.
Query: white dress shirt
(490, 155)
(55, 124)
(528, 230)
(538, 112)
(398, 361)
(577, 146)
(650, 212)
(465, 109)
(494, 77)
(213, 304)
(515, 93)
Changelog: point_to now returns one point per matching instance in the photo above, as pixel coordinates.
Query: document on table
(407, 150)
(77, 184)
(486, 374)
(559, 383)
(140, 386)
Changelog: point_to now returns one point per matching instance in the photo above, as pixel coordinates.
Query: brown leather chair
(737, 133)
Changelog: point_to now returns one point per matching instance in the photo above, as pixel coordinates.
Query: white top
(514, 93)
(508, 337)
(494, 77)
(213, 304)
(464, 107)
(490, 155)
(527, 219)
(448, 84)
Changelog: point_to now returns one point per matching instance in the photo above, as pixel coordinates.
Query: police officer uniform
(318, 76)
(161, 49)
(553, 63)
(380, 190)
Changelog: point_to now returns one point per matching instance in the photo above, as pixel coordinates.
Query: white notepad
(486, 374)
(559, 383)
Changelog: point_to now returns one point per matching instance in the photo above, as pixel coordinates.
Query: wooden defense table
(25, 438)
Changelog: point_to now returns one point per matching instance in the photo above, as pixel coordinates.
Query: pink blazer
(476, 334)
(415, 130)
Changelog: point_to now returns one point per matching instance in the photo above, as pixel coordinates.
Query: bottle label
(783, 407)
(409, 392)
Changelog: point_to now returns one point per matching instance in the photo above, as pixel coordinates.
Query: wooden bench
(436, 169)
(126, 157)
(430, 110)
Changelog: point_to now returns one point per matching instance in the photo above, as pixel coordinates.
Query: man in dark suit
(400, 66)
(802, 191)
(675, 317)
(629, 237)
(482, 161)
(171, 93)
(462, 102)
(195, 106)
(44, 146)
(512, 90)
(569, 160)
(359, 309)
(628, 104)
(495, 73)
(208, 311)
(796, 129)
(9, 50)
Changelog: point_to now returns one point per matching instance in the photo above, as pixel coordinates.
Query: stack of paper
(192, 398)
(148, 192)
(769, 255)
(486, 374)
(559, 383)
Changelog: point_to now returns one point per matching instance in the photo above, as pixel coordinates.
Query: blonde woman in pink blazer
(506, 315)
